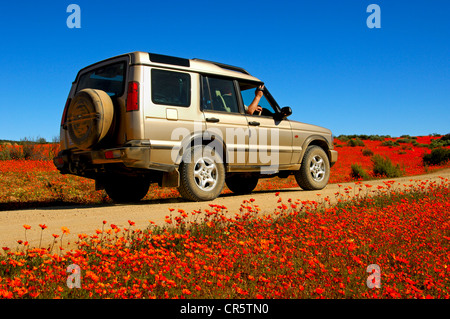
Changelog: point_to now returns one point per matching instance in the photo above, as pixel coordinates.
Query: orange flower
(65, 230)
(319, 291)
(186, 291)
(43, 226)
(26, 226)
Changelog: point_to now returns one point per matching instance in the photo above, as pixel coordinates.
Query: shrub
(382, 166)
(437, 156)
(358, 172)
(342, 138)
(441, 142)
(377, 137)
(405, 140)
(367, 152)
(355, 142)
(390, 143)
(15, 152)
(5, 154)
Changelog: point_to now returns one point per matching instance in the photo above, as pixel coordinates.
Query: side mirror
(284, 113)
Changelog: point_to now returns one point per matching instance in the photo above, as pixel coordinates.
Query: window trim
(267, 95)
(189, 91)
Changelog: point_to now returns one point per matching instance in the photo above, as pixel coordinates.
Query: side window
(248, 94)
(171, 88)
(219, 95)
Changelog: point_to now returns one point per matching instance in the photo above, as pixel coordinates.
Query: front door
(270, 140)
(225, 120)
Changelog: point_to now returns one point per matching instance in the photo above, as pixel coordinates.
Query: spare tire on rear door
(89, 117)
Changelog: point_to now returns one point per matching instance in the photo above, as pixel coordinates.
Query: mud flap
(171, 179)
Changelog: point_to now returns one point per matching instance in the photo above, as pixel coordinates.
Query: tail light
(133, 96)
(112, 154)
(63, 119)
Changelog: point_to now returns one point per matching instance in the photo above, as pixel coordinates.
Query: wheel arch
(318, 141)
(203, 138)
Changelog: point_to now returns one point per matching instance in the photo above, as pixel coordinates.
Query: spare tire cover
(89, 117)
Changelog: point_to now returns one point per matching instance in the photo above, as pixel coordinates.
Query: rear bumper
(68, 162)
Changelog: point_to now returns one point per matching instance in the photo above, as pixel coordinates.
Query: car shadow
(58, 205)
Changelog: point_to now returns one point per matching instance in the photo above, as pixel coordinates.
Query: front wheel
(314, 172)
(202, 174)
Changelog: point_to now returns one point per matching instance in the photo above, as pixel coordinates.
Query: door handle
(254, 123)
(212, 119)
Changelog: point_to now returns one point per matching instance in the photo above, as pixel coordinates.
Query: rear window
(171, 88)
(109, 78)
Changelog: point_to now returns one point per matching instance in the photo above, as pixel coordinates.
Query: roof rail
(225, 66)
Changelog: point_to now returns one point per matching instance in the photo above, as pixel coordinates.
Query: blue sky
(319, 57)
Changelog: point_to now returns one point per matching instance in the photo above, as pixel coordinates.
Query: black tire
(123, 189)
(314, 171)
(202, 174)
(89, 117)
(241, 184)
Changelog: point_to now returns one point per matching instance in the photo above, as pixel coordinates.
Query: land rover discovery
(143, 118)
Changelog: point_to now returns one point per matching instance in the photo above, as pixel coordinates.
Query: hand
(259, 93)
(258, 109)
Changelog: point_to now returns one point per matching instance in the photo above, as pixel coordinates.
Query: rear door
(171, 112)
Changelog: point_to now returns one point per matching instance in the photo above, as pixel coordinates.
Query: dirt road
(82, 219)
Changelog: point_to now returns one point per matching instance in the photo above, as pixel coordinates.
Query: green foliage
(355, 142)
(5, 154)
(359, 173)
(383, 166)
(345, 138)
(406, 140)
(390, 143)
(367, 152)
(441, 142)
(437, 156)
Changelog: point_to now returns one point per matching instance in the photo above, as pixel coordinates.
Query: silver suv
(142, 118)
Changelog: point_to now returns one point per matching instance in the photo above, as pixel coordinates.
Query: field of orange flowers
(302, 250)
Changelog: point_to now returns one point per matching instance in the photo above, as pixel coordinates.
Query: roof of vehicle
(196, 65)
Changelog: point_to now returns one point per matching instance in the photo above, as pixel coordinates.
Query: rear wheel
(202, 174)
(123, 189)
(241, 183)
(314, 172)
